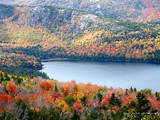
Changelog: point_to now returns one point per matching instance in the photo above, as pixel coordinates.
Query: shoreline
(91, 60)
(60, 63)
(54, 59)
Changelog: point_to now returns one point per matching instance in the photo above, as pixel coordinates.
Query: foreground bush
(39, 99)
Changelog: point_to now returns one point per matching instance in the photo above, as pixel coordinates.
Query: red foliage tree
(46, 85)
(12, 88)
(77, 105)
(4, 98)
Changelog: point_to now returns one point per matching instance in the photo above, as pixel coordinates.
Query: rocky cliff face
(51, 18)
(134, 10)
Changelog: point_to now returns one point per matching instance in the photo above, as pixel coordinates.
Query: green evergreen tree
(75, 116)
(143, 104)
(56, 89)
(114, 101)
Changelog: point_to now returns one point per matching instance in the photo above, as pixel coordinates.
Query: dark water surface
(122, 75)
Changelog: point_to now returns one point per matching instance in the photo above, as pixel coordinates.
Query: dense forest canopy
(38, 99)
(91, 30)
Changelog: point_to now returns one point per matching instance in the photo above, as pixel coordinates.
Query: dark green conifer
(56, 89)
(114, 101)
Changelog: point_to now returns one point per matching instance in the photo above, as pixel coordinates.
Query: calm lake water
(122, 75)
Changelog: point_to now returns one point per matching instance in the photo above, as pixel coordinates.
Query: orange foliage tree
(46, 85)
(12, 88)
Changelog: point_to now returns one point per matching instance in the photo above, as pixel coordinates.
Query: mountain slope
(5, 11)
(132, 10)
(35, 33)
(51, 18)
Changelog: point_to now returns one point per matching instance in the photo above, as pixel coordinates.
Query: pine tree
(114, 101)
(56, 89)
(143, 104)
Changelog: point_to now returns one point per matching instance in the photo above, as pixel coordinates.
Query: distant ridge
(128, 10)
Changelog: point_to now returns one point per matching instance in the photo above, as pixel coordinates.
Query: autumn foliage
(4, 98)
(24, 46)
(12, 88)
(46, 85)
(85, 101)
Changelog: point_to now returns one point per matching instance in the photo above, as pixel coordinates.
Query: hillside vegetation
(22, 98)
(131, 10)
(30, 34)
(35, 33)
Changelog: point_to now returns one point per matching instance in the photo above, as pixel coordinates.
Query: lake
(123, 75)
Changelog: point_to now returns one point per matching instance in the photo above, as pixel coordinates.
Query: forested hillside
(131, 10)
(31, 34)
(22, 98)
